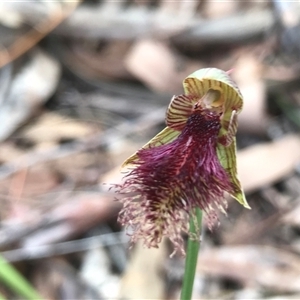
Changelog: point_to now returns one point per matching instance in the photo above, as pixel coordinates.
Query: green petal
(179, 110)
(227, 158)
(166, 136)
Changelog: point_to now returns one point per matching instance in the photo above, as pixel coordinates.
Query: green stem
(191, 259)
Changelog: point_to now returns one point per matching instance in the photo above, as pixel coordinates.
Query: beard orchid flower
(190, 164)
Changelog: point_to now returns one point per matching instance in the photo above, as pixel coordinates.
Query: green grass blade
(16, 282)
(2, 297)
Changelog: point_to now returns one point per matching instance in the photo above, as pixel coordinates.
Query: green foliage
(16, 282)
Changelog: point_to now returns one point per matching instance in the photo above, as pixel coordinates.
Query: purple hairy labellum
(189, 165)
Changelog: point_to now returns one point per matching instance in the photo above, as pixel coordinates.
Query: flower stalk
(191, 259)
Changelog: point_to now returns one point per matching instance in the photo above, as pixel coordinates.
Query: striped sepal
(180, 108)
(227, 158)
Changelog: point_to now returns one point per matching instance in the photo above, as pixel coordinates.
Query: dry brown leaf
(143, 277)
(106, 63)
(292, 217)
(266, 163)
(39, 180)
(52, 128)
(77, 215)
(25, 185)
(156, 65)
(269, 267)
(29, 89)
(9, 152)
(248, 74)
(219, 9)
(153, 63)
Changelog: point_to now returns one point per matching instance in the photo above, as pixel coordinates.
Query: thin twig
(42, 251)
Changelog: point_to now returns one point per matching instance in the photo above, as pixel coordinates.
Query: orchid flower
(190, 164)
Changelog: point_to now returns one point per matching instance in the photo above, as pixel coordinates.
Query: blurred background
(85, 84)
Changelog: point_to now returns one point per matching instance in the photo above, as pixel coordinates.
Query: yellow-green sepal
(166, 136)
(227, 158)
